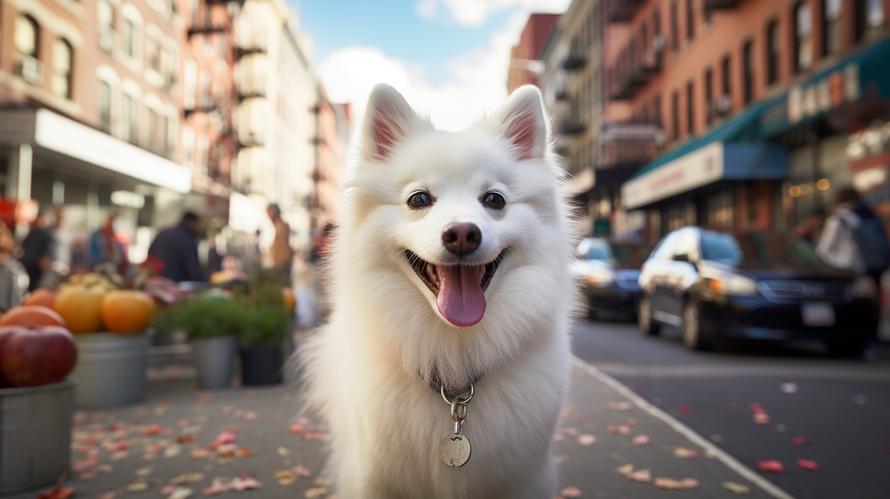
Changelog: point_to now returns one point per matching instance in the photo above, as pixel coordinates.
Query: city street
(833, 412)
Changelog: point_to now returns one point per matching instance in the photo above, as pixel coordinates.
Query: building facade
(525, 56)
(762, 106)
(275, 121)
(89, 111)
(334, 125)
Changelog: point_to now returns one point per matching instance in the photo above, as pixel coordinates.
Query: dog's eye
(493, 200)
(420, 200)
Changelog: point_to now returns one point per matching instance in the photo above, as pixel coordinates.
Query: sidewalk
(179, 441)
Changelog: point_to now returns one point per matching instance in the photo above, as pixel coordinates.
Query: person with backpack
(854, 237)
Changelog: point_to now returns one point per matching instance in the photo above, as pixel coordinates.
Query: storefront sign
(825, 93)
(693, 170)
(872, 141)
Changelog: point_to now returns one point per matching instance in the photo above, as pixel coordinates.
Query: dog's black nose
(461, 238)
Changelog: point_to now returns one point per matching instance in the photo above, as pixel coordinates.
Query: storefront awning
(64, 136)
(851, 92)
(731, 151)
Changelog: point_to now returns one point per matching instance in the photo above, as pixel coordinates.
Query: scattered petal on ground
(770, 466)
(570, 492)
(619, 429)
(285, 477)
(619, 406)
(737, 488)
(302, 471)
(644, 476)
(685, 453)
(625, 470)
(282, 451)
(138, 486)
(800, 440)
(180, 493)
(316, 492)
(808, 464)
(672, 484)
(187, 478)
(245, 482)
(218, 486)
(586, 440)
(640, 440)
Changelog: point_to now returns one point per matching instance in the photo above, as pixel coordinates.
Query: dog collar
(449, 391)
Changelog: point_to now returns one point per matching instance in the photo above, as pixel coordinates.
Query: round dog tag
(454, 451)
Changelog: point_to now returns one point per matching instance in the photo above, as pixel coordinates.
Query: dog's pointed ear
(388, 118)
(523, 123)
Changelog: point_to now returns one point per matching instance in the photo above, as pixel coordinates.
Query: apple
(37, 356)
(5, 334)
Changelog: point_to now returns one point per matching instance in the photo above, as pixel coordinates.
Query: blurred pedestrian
(37, 250)
(11, 271)
(281, 254)
(106, 250)
(854, 238)
(177, 249)
(811, 228)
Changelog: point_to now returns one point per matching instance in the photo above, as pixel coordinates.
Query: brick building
(526, 54)
(89, 111)
(334, 125)
(755, 106)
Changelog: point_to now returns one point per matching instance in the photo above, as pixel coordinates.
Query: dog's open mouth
(459, 289)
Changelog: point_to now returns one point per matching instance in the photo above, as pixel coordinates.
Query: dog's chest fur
(386, 425)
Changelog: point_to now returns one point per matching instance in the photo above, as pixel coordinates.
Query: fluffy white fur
(367, 371)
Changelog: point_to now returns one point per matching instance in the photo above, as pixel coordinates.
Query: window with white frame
(63, 62)
(105, 105)
(128, 118)
(131, 38)
(105, 15)
(26, 36)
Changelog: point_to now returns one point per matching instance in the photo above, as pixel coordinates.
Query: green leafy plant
(204, 316)
(264, 325)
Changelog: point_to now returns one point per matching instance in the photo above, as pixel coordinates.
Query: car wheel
(846, 349)
(647, 324)
(693, 338)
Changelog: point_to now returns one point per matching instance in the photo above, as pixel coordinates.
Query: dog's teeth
(431, 273)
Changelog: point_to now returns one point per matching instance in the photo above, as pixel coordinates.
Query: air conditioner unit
(106, 41)
(30, 69)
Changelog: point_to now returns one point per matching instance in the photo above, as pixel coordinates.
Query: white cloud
(476, 81)
(473, 13)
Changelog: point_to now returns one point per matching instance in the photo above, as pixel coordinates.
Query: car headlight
(864, 287)
(733, 285)
(600, 277)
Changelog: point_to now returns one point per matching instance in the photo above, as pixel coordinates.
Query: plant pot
(35, 435)
(111, 369)
(214, 361)
(261, 365)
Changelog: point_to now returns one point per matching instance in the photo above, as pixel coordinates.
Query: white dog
(450, 281)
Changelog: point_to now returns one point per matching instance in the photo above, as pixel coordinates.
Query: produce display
(32, 315)
(127, 311)
(35, 355)
(43, 297)
(81, 307)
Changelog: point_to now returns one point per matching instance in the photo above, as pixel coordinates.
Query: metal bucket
(214, 361)
(35, 435)
(111, 369)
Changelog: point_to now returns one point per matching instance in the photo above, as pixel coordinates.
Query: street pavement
(764, 402)
(610, 444)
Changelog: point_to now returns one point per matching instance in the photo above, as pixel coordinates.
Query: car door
(682, 273)
(656, 272)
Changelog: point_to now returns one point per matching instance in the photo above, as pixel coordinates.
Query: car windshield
(621, 253)
(758, 249)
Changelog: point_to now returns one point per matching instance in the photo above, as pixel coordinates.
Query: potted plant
(266, 325)
(211, 322)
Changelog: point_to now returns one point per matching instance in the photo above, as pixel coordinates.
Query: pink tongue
(461, 299)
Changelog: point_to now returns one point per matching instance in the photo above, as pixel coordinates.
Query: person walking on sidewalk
(854, 238)
(281, 254)
(106, 250)
(177, 249)
(37, 250)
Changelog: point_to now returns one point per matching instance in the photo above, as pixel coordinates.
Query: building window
(803, 36)
(204, 156)
(656, 104)
(130, 38)
(105, 105)
(105, 16)
(152, 52)
(690, 108)
(63, 61)
(690, 20)
(129, 118)
(709, 95)
(675, 115)
(748, 71)
(675, 28)
(869, 17)
(831, 26)
(773, 42)
(166, 133)
(726, 76)
(153, 121)
(26, 36)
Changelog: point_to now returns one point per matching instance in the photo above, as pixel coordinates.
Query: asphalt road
(833, 412)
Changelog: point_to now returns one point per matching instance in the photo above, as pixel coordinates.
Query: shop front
(49, 160)
(723, 179)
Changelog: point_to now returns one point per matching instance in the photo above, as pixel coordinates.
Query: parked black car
(609, 272)
(754, 285)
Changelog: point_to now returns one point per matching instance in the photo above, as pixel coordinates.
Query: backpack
(872, 243)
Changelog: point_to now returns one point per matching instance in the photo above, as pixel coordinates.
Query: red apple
(37, 356)
(5, 334)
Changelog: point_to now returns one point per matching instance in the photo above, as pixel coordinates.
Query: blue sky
(448, 57)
